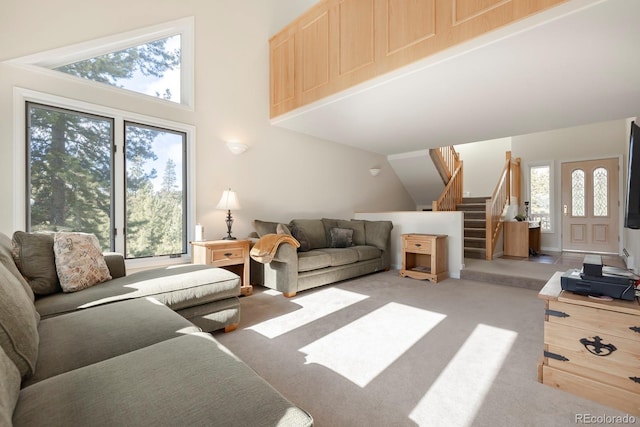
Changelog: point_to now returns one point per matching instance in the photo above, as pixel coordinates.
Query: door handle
(565, 210)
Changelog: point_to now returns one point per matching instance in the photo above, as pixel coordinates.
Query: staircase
(475, 221)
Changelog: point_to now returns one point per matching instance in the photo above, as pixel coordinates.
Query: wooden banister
(508, 186)
(452, 195)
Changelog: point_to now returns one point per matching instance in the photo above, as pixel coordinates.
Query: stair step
(474, 242)
(482, 200)
(475, 232)
(478, 253)
(466, 207)
(475, 223)
(475, 215)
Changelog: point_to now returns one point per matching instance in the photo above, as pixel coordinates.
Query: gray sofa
(130, 361)
(319, 261)
(204, 295)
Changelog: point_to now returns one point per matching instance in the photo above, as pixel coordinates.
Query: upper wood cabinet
(340, 43)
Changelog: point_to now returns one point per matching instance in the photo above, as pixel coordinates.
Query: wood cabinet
(591, 347)
(520, 236)
(232, 255)
(338, 44)
(424, 257)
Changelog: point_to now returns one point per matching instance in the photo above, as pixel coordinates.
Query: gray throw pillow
(301, 237)
(264, 227)
(34, 256)
(341, 237)
(283, 229)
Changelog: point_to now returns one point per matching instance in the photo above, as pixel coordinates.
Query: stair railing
(446, 160)
(452, 195)
(508, 186)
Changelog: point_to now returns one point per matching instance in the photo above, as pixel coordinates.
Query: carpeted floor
(381, 350)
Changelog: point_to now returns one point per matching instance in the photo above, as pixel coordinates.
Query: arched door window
(600, 194)
(578, 200)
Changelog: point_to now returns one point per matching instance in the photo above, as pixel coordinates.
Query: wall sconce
(237, 147)
(374, 171)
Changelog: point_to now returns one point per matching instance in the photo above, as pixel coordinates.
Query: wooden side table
(232, 255)
(424, 257)
(520, 237)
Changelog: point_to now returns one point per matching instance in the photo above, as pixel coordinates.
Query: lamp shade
(228, 201)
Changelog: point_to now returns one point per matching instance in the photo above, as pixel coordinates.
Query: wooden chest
(591, 347)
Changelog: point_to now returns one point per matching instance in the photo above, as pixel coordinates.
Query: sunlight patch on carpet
(313, 307)
(457, 394)
(364, 348)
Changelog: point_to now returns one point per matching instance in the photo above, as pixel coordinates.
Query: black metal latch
(596, 346)
(556, 313)
(555, 356)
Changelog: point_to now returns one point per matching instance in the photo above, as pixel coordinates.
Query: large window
(540, 192)
(72, 184)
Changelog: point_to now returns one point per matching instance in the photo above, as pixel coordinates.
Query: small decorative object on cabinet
(424, 257)
(591, 347)
(232, 255)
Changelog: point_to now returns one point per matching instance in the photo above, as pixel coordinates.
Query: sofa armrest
(115, 262)
(281, 273)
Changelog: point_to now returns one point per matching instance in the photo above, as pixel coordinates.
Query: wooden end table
(232, 255)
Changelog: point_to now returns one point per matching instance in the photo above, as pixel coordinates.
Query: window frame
(22, 96)
(44, 62)
(552, 200)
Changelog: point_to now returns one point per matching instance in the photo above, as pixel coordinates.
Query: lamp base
(229, 238)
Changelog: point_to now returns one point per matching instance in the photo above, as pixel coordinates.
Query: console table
(232, 255)
(520, 236)
(424, 257)
(591, 347)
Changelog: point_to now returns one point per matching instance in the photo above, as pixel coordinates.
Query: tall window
(71, 159)
(540, 196)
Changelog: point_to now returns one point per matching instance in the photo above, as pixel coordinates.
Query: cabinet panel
(468, 9)
(408, 22)
(356, 34)
(610, 322)
(282, 66)
(314, 43)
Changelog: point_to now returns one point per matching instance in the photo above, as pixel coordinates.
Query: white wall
(283, 175)
(483, 162)
(598, 140)
(448, 223)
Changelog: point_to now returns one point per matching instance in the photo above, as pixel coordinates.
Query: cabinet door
(282, 71)
(312, 54)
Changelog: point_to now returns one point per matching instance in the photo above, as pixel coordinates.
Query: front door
(590, 206)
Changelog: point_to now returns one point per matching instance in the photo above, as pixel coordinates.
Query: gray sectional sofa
(121, 357)
(323, 257)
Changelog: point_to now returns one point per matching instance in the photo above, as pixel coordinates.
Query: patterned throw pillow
(341, 237)
(79, 261)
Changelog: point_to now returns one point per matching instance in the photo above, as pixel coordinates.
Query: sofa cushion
(283, 229)
(177, 286)
(341, 256)
(314, 230)
(79, 261)
(6, 259)
(367, 252)
(359, 235)
(264, 227)
(341, 237)
(377, 233)
(84, 337)
(302, 239)
(190, 380)
(34, 257)
(18, 324)
(9, 388)
(313, 260)
(356, 225)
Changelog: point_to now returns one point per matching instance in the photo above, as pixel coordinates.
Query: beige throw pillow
(79, 261)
